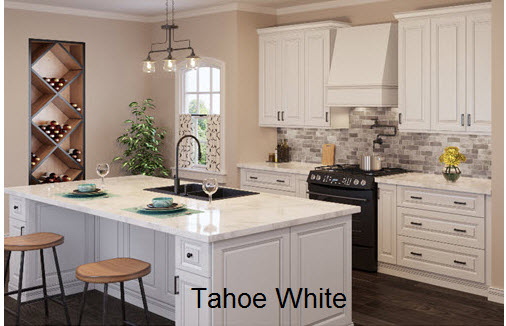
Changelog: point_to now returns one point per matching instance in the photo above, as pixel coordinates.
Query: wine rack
(56, 95)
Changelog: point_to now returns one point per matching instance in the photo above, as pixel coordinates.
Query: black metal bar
(44, 288)
(123, 312)
(334, 196)
(144, 302)
(20, 286)
(83, 302)
(104, 307)
(6, 270)
(24, 290)
(62, 290)
(126, 322)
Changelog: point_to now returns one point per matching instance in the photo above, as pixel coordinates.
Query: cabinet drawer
(441, 258)
(442, 227)
(442, 201)
(193, 256)
(17, 208)
(262, 179)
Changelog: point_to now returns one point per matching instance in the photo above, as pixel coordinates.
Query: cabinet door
(187, 311)
(479, 79)
(448, 73)
(301, 186)
(270, 81)
(387, 230)
(317, 65)
(321, 258)
(414, 75)
(292, 80)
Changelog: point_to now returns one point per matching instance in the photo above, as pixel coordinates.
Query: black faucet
(176, 177)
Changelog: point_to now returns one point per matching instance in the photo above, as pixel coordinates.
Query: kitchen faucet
(176, 177)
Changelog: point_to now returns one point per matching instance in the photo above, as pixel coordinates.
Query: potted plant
(451, 159)
(142, 140)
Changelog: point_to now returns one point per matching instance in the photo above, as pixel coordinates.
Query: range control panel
(341, 179)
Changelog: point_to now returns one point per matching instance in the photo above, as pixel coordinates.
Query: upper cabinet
(445, 69)
(294, 64)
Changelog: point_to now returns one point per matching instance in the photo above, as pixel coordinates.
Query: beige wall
(230, 37)
(372, 13)
(114, 50)
(498, 143)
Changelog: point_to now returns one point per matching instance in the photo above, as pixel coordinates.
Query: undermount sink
(194, 191)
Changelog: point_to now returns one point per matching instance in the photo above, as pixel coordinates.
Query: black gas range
(348, 184)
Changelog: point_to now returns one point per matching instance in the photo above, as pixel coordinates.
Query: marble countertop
(437, 181)
(290, 167)
(223, 219)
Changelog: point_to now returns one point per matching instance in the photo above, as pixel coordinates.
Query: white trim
(307, 26)
(218, 9)
(323, 5)
(444, 10)
(496, 295)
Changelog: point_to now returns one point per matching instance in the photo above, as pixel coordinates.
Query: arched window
(200, 101)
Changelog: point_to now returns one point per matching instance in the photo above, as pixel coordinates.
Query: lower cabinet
(186, 312)
(280, 183)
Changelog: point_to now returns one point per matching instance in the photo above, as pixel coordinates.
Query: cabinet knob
(189, 255)
(16, 206)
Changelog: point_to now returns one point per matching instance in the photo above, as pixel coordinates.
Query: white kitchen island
(253, 244)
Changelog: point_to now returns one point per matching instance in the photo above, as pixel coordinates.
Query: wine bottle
(48, 80)
(78, 160)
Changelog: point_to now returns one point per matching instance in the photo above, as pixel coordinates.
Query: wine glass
(102, 171)
(210, 186)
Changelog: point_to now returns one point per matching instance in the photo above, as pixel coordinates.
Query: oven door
(364, 226)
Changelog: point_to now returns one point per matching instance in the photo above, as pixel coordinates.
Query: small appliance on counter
(349, 184)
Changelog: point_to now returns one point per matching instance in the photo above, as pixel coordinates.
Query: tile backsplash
(413, 151)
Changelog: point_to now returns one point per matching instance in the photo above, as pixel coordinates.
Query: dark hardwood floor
(378, 300)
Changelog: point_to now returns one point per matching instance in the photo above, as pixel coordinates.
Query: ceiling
(157, 7)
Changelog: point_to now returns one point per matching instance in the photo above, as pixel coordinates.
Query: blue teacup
(160, 202)
(87, 187)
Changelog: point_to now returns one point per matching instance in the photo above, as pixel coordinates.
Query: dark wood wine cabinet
(62, 101)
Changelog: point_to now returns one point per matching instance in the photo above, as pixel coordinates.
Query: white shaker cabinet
(387, 234)
(293, 68)
(445, 69)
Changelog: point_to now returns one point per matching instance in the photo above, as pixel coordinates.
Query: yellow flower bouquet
(451, 159)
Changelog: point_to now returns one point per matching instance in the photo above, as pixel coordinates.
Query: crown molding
(323, 5)
(444, 10)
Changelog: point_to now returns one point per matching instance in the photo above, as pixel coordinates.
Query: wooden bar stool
(113, 271)
(35, 241)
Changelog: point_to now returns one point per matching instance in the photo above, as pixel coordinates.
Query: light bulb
(192, 61)
(169, 65)
(148, 65)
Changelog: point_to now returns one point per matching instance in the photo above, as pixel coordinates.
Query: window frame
(180, 99)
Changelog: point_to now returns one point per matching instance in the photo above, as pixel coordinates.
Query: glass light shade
(148, 66)
(192, 62)
(169, 65)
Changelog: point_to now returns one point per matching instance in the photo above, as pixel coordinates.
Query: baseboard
(434, 279)
(496, 295)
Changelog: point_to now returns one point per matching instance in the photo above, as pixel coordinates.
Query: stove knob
(318, 177)
(355, 182)
(313, 176)
(362, 183)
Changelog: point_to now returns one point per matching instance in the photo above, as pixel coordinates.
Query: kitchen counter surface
(290, 167)
(437, 181)
(223, 219)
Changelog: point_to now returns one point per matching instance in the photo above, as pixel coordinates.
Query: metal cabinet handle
(16, 206)
(460, 230)
(416, 197)
(416, 223)
(176, 281)
(282, 115)
(460, 203)
(282, 181)
(21, 230)
(416, 254)
(400, 118)
(278, 115)
(462, 119)
(460, 262)
(189, 255)
(326, 117)
(469, 120)
(254, 178)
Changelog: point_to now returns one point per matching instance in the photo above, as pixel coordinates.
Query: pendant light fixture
(169, 63)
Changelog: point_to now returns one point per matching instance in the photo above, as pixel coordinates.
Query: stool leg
(44, 289)
(6, 272)
(144, 302)
(20, 286)
(62, 290)
(83, 302)
(104, 311)
(123, 313)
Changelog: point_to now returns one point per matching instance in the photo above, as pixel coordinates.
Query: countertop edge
(258, 166)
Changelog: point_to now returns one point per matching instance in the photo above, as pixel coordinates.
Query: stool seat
(34, 241)
(113, 270)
